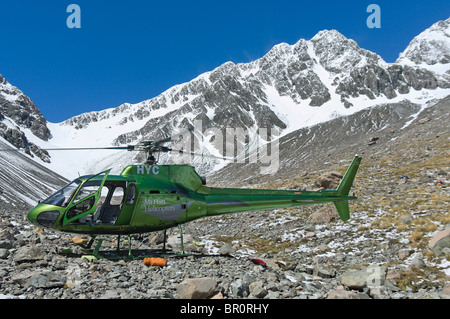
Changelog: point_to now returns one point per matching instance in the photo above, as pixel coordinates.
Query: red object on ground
(259, 262)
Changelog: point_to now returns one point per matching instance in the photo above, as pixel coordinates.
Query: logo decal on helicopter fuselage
(147, 169)
(168, 213)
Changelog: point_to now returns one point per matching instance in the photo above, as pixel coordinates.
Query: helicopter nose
(32, 216)
(41, 218)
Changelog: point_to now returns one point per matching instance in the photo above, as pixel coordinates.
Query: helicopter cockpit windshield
(62, 197)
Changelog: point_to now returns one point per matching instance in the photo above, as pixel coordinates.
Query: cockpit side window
(62, 197)
(117, 196)
(81, 205)
(80, 208)
(89, 188)
(86, 198)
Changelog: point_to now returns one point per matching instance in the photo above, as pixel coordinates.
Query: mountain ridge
(247, 68)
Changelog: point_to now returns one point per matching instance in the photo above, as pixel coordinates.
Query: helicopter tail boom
(229, 200)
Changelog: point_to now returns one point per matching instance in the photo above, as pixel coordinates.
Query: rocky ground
(386, 250)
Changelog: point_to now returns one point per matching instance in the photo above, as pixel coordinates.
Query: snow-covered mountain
(290, 88)
(431, 47)
(23, 180)
(19, 118)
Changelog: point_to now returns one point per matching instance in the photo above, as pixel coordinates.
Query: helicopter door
(126, 213)
(86, 198)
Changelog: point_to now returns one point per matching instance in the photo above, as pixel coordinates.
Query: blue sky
(130, 51)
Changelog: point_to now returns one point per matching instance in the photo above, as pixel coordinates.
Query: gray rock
(440, 241)
(226, 249)
(47, 280)
(257, 289)
(445, 293)
(4, 253)
(324, 271)
(6, 244)
(110, 294)
(197, 288)
(39, 279)
(239, 288)
(29, 254)
(367, 277)
(406, 219)
(341, 293)
(417, 260)
(21, 278)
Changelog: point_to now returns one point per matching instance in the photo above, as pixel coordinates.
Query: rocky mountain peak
(430, 47)
(337, 53)
(18, 112)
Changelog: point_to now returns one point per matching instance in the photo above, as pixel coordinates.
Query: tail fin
(347, 181)
(344, 188)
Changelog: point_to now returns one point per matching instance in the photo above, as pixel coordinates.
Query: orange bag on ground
(152, 261)
(79, 240)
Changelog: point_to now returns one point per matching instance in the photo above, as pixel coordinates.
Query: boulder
(366, 277)
(196, 288)
(329, 180)
(324, 215)
(406, 219)
(4, 253)
(445, 293)
(157, 238)
(440, 241)
(257, 289)
(174, 241)
(239, 288)
(417, 260)
(341, 293)
(324, 271)
(29, 253)
(226, 249)
(45, 279)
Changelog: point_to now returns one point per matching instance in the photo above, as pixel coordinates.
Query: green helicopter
(151, 197)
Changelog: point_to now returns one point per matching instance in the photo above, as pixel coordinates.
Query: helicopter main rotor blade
(198, 154)
(72, 149)
(87, 148)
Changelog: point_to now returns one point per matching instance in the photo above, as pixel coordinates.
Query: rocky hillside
(326, 144)
(23, 182)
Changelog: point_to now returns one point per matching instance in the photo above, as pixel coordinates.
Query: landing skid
(130, 254)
